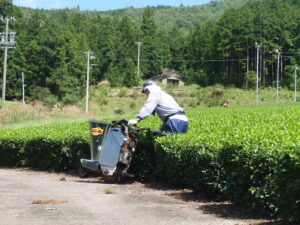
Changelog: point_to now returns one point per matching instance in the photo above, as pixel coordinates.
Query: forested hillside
(51, 45)
(167, 17)
(182, 17)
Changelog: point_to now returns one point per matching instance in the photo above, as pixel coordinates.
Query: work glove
(133, 122)
(156, 132)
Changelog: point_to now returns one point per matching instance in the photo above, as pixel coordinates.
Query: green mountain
(183, 17)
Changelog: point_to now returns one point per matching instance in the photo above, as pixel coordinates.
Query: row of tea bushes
(246, 154)
(57, 147)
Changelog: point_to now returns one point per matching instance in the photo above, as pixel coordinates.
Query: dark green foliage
(10, 152)
(148, 26)
(286, 186)
(70, 99)
(42, 153)
(155, 51)
(57, 148)
(250, 79)
(44, 95)
(226, 48)
(59, 155)
(183, 17)
(210, 44)
(249, 156)
(143, 163)
(6, 7)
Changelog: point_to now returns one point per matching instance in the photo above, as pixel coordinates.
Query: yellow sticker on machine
(97, 131)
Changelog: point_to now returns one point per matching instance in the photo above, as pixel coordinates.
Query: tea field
(245, 154)
(249, 154)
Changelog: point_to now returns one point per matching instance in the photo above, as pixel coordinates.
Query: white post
(4, 77)
(87, 83)
(296, 69)
(277, 78)
(5, 64)
(7, 44)
(89, 57)
(23, 88)
(138, 59)
(257, 71)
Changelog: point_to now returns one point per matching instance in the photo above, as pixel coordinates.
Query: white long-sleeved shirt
(159, 102)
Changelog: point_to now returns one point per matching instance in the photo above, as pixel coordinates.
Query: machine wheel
(112, 178)
(82, 172)
(116, 177)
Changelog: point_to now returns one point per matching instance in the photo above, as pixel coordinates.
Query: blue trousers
(175, 126)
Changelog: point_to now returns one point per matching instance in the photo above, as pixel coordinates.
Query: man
(158, 101)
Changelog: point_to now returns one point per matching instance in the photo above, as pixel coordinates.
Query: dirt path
(38, 198)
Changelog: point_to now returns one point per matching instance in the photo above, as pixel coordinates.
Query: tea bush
(57, 147)
(244, 154)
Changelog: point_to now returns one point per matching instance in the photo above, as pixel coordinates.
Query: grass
(18, 115)
(109, 103)
(109, 191)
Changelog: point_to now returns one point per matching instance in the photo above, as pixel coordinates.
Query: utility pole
(257, 71)
(23, 88)
(247, 69)
(281, 69)
(139, 43)
(296, 69)
(6, 43)
(89, 57)
(277, 78)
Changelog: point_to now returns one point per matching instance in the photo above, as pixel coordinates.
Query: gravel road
(38, 198)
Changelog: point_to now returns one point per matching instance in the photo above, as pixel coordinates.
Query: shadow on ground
(220, 208)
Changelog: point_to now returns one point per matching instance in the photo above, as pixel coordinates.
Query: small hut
(169, 77)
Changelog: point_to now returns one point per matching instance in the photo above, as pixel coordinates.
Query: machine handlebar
(134, 130)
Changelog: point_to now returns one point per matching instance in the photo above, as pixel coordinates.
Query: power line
(195, 60)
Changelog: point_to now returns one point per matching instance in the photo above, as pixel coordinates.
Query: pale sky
(103, 5)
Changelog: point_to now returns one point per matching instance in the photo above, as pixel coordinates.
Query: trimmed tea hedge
(57, 147)
(244, 154)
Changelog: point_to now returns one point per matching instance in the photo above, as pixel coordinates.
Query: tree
(250, 79)
(148, 24)
(127, 52)
(151, 53)
(177, 48)
(203, 42)
(6, 8)
(104, 42)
